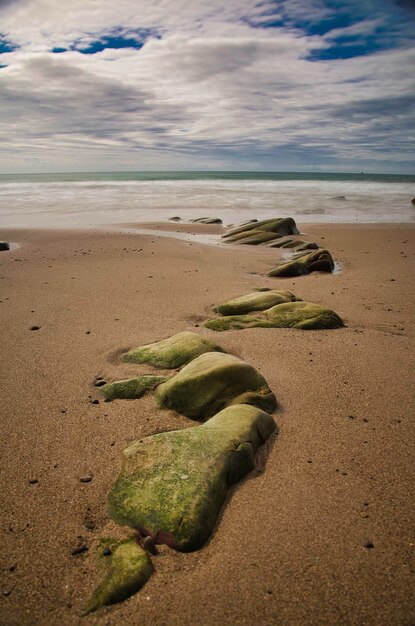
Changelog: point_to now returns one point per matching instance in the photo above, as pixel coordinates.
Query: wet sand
(324, 535)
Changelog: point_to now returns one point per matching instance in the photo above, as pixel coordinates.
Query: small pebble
(149, 545)
(106, 552)
(33, 481)
(100, 383)
(79, 549)
(94, 401)
(369, 545)
(90, 525)
(35, 328)
(86, 479)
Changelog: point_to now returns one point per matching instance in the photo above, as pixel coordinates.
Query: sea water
(84, 200)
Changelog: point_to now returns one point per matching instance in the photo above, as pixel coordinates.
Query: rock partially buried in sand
(132, 388)
(4, 245)
(129, 567)
(301, 315)
(212, 382)
(254, 302)
(280, 225)
(207, 220)
(304, 315)
(172, 352)
(173, 485)
(175, 219)
(318, 261)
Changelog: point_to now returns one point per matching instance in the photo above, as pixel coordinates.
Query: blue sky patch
(6, 45)
(116, 39)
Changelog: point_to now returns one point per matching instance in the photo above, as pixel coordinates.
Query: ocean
(85, 200)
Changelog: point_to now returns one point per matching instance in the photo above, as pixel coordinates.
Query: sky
(301, 85)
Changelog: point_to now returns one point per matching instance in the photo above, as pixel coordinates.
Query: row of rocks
(275, 233)
(172, 485)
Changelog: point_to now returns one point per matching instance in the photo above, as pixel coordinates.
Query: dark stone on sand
(35, 328)
(207, 220)
(4, 245)
(413, 201)
(175, 219)
(100, 383)
(85, 479)
(81, 549)
(173, 484)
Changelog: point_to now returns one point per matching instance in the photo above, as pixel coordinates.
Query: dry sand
(291, 545)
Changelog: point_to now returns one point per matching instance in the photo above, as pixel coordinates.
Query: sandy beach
(323, 535)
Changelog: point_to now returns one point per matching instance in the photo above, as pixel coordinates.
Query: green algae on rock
(318, 261)
(281, 225)
(254, 302)
(172, 485)
(129, 567)
(211, 382)
(172, 352)
(302, 315)
(132, 388)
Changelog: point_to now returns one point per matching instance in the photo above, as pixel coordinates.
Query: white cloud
(212, 89)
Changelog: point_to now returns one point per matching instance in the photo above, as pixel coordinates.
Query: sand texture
(325, 534)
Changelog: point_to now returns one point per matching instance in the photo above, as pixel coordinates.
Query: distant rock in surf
(4, 245)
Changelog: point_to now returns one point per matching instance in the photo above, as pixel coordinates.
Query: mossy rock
(128, 569)
(172, 485)
(281, 225)
(132, 388)
(237, 322)
(255, 239)
(254, 302)
(172, 352)
(317, 261)
(240, 237)
(4, 245)
(304, 315)
(211, 382)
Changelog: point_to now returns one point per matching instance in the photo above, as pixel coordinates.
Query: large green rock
(172, 485)
(281, 225)
(132, 388)
(128, 569)
(254, 302)
(318, 261)
(172, 352)
(211, 382)
(303, 315)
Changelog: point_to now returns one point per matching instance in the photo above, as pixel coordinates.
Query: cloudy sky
(207, 84)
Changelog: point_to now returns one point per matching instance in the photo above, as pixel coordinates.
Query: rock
(282, 226)
(254, 302)
(85, 479)
(175, 219)
(318, 261)
(211, 382)
(207, 220)
(172, 485)
(4, 245)
(100, 382)
(132, 388)
(255, 239)
(129, 567)
(303, 315)
(413, 201)
(172, 352)
(35, 328)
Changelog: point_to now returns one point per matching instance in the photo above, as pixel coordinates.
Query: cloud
(204, 85)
